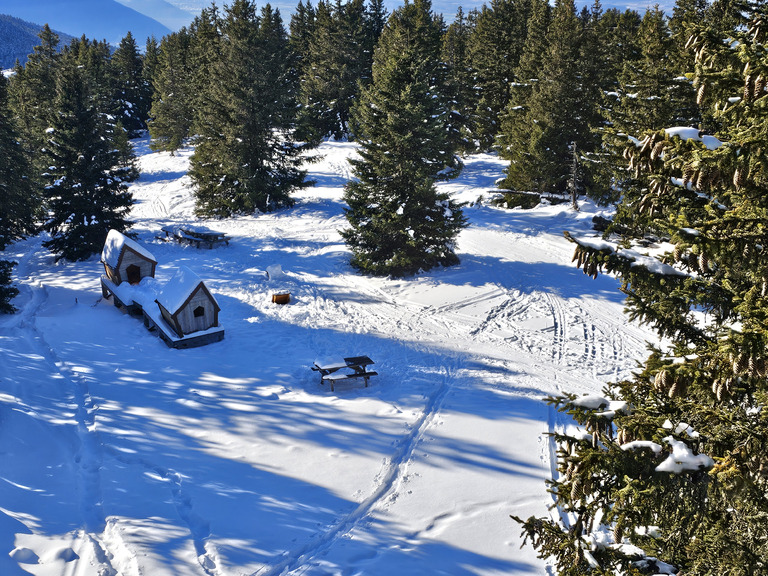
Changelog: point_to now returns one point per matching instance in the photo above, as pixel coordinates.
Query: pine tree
(32, 94)
(651, 94)
(129, 88)
(86, 188)
(400, 223)
(150, 61)
(539, 141)
(172, 110)
(338, 60)
(19, 201)
(495, 47)
(458, 85)
(246, 158)
(673, 468)
(301, 27)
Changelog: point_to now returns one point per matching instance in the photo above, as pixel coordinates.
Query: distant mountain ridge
(18, 38)
(98, 19)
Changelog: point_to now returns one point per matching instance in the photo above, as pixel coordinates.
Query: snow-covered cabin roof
(179, 288)
(114, 244)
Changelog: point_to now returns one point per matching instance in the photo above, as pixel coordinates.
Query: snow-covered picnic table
(330, 369)
(195, 235)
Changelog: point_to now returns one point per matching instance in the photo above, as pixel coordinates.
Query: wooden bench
(329, 371)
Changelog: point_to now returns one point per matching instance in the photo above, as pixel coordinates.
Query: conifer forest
(662, 116)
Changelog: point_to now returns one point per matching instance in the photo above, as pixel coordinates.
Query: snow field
(126, 457)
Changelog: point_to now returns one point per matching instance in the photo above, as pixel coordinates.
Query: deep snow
(122, 456)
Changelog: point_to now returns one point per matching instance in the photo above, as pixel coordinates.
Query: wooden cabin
(187, 305)
(126, 260)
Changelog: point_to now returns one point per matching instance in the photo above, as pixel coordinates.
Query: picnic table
(353, 367)
(196, 236)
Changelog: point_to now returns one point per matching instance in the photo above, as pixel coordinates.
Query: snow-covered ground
(122, 456)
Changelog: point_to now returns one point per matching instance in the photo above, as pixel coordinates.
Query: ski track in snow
(509, 323)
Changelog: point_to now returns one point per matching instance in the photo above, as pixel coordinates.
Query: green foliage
(32, 92)
(537, 137)
(18, 199)
(131, 93)
(338, 61)
(7, 291)
(459, 87)
(495, 47)
(86, 192)
(246, 158)
(171, 114)
(651, 93)
(701, 400)
(399, 223)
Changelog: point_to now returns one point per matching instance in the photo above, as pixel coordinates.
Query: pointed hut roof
(114, 245)
(179, 288)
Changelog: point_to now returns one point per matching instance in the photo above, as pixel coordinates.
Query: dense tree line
(552, 89)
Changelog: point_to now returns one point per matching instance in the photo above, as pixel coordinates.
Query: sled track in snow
(389, 477)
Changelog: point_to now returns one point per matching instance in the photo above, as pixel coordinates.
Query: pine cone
(759, 86)
(577, 489)
(748, 87)
(618, 530)
(700, 93)
(703, 262)
(738, 177)
(657, 149)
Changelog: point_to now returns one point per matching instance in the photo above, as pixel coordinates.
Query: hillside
(18, 38)
(97, 19)
(123, 456)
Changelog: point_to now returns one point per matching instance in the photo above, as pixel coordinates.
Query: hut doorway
(133, 274)
(199, 312)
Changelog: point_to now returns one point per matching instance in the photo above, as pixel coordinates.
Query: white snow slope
(121, 456)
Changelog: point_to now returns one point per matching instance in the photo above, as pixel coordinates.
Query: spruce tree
(246, 158)
(399, 222)
(130, 91)
(651, 94)
(32, 95)
(18, 205)
(172, 110)
(458, 85)
(538, 142)
(338, 60)
(495, 47)
(86, 192)
(150, 60)
(670, 467)
(19, 201)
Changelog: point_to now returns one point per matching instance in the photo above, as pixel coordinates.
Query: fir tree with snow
(247, 158)
(86, 188)
(130, 90)
(538, 139)
(399, 223)
(495, 47)
(19, 202)
(172, 110)
(668, 473)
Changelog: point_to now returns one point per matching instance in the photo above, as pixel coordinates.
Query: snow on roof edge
(113, 245)
(176, 291)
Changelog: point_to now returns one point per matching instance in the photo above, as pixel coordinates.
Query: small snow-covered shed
(186, 303)
(126, 260)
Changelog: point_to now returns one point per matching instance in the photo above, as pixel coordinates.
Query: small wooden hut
(126, 260)
(187, 305)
